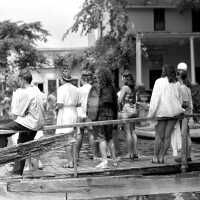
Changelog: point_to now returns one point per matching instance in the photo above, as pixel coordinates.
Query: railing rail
(115, 122)
(33, 148)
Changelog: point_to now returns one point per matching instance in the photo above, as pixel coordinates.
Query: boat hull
(149, 133)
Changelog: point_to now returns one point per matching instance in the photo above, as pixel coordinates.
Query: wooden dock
(130, 178)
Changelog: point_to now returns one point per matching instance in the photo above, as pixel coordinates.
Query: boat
(148, 132)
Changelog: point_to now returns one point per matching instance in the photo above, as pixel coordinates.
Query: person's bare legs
(79, 141)
(129, 141)
(170, 124)
(111, 147)
(134, 136)
(159, 140)
(93, 144)
(69, 152)
(103, 151)
(115, 139)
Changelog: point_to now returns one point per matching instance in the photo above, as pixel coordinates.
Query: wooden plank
(35, 147)
(4, 132)
(32, 196)
(113, 186)
(118, 121)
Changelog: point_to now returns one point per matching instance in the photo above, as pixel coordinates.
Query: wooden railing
(36, 147)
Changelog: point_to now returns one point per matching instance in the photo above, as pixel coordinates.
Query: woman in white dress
(67, 101)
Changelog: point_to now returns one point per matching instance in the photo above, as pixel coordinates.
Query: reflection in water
(178, 196)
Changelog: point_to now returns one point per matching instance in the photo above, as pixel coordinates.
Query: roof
(155, 3)
(62, 49)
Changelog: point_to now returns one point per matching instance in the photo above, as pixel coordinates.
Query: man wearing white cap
(186, 99)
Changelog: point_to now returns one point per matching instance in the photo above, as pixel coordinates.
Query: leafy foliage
(21, 38)
(114, 48)
(68, 61)
(92, 16)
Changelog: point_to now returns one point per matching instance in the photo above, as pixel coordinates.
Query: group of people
(97, 100)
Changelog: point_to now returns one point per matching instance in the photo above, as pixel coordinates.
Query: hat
(182, 66)
(66, 75)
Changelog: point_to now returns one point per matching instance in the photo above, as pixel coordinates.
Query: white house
(47, 77)
(170, 30)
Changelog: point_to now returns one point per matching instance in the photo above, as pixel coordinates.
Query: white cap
(182, 66)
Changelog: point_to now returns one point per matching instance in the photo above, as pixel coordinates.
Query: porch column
(138, 60)
(192, 60)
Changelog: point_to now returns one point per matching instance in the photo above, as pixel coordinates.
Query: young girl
(107, 110)
(127, 101)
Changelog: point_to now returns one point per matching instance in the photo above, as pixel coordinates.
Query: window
(195, 20)
(159, 19)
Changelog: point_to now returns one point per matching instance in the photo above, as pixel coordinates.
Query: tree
(20, 38)
(69, 61)
(92, 16)
(187, 4)
(114, 48)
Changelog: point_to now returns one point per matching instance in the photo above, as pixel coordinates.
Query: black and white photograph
(100, 99)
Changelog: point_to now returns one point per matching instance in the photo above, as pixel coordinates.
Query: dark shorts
(84, 129)
(104, 132)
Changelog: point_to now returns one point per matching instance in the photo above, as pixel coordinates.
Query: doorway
(197, 74)
(153, 75)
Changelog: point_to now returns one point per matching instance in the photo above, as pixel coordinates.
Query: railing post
(184, 134)
(75, 153)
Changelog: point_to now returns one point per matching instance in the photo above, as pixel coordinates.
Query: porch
(153, 49)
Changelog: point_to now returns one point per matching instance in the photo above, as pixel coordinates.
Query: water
(145, 147)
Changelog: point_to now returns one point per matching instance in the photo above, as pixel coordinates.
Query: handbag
(128, 111)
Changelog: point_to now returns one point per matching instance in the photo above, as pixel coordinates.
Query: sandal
(69, 165)
(103, 165)
(115, 163)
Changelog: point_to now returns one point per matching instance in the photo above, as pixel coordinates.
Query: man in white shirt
(29, 115)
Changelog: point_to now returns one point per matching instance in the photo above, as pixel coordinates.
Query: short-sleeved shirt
(67, 95)
(186, 97)
(83, 98)
(16, 98)
(30, 110)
